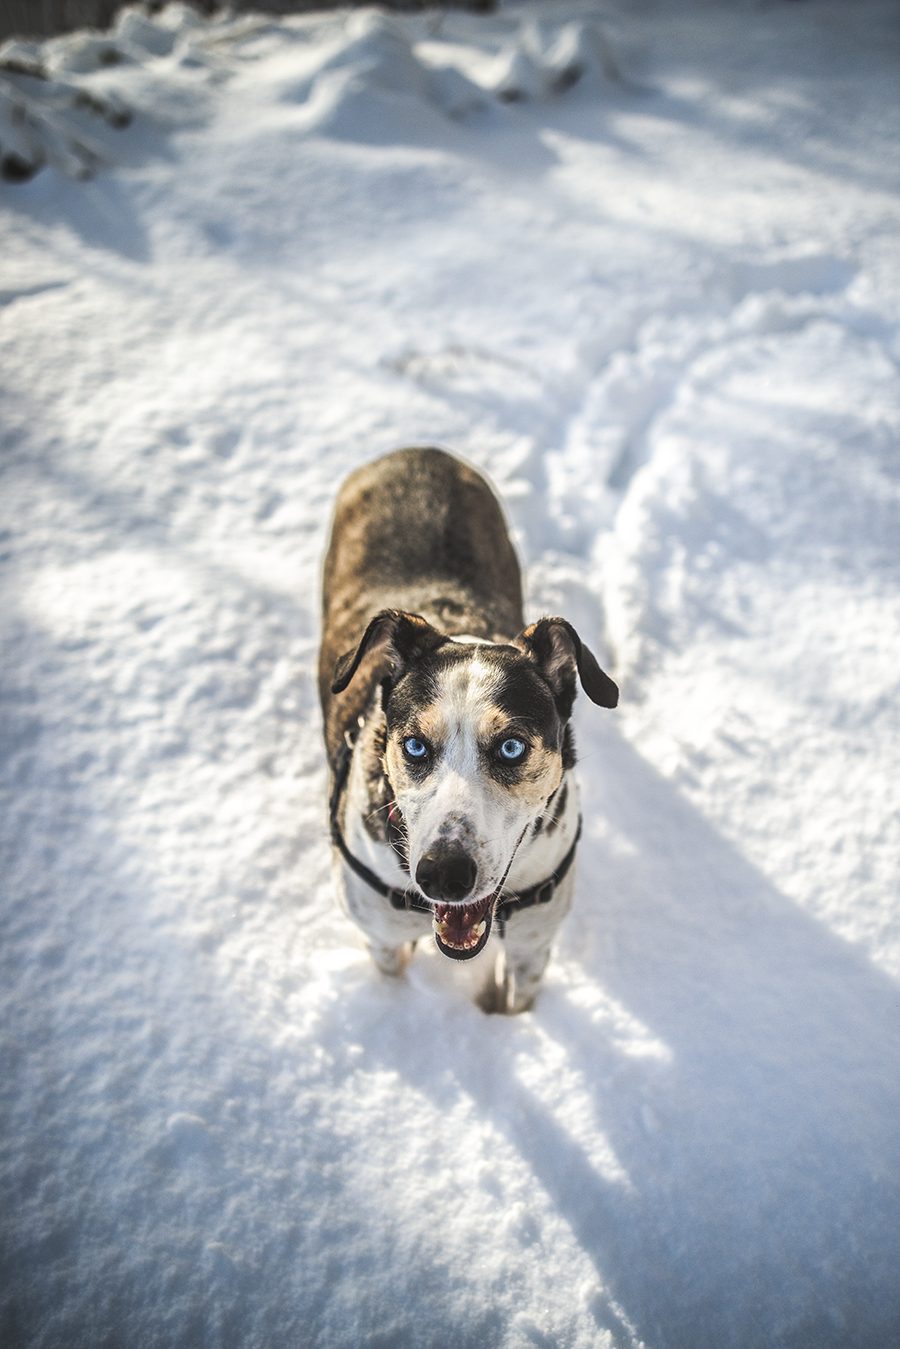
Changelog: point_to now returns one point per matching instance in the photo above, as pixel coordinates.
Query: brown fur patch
(430, 529)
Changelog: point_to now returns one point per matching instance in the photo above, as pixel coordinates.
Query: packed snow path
(640, 264)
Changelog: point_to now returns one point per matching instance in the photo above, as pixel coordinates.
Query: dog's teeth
(459, 938)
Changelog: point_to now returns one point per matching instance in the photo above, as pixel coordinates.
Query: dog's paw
(504, 994)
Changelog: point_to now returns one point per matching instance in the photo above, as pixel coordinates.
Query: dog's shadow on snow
(743, 1067)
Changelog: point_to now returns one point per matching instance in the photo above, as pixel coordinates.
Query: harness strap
(408, 899)
(535, 894)
(399, 899)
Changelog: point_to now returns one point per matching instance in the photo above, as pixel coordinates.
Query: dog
(454, 807)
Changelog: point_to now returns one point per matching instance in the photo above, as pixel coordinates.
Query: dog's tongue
(461, 930)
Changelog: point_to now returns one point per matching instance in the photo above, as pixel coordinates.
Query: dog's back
(420, 531)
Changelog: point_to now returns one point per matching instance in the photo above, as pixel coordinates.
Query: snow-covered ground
(640, 263)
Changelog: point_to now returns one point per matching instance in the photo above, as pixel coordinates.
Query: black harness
(409, 899)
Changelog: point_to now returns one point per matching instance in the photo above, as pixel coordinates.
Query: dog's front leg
(515, 981)
(391, 960)
(525, 952)
(390, 934)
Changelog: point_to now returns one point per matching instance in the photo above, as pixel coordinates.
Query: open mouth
(462, 930)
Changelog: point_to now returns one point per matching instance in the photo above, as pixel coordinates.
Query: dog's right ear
(398, 638)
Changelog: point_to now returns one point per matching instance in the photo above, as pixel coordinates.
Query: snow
(639, 264)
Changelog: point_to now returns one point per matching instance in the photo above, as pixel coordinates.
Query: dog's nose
(446, 873)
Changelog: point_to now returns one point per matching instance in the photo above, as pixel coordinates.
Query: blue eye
(414, 748)
(512, 750)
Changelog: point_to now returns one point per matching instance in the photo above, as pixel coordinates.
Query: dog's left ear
(397, 638)
(559, 653)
